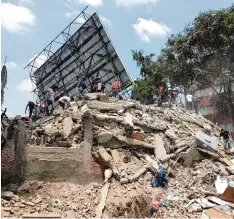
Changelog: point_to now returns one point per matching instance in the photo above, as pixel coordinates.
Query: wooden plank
(51, 216)
(220, 202)
(102, 203)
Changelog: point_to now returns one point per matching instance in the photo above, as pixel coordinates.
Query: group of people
(97, 85)
(38, 110)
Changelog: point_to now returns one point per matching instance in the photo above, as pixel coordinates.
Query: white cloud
(134, 2)
(22, 2)
(148, 29)
(16, 18)
(39, 61)
(12, 65)
(105, 21)
(26, 85)
(73, 14)
(94, 3)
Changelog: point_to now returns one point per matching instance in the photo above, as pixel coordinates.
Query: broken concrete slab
(128, 119)
(7, 195)
(102, 203)
(107, 174)
(133, 143)
(157, 127)
(129, 105)
(92, 96)
(171, 134)
(115, 155)
(86, 112)
(88, 142)
(190, 156)
(36, 215)
(103, 117)
(159, 150)
(67, 126)
(104, 137)
(70, 214)
(102, 106)
(104, 154)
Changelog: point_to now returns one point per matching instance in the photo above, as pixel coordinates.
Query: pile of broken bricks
(161, 137)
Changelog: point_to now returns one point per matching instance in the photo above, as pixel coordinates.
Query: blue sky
(27, 26)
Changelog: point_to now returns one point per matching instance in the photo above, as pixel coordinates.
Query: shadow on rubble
(13, 155)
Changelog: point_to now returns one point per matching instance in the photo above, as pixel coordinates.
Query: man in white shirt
(189, 98)
(65, 102)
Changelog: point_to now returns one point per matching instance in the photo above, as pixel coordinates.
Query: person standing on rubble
(30, 105)
(161, 94)
(226, 139)
(50, 101)
(81, 89)
(115, 88)
(189, 99)
(133, 89)
(65, 102)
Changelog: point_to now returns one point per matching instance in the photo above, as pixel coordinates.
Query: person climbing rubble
(65, 102)
(50, 101)
(226, 139)
(30, 106)
(115, 88)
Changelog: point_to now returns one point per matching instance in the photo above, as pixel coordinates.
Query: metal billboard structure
(88, 52)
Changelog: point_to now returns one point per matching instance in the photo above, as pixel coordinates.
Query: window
(208, 110)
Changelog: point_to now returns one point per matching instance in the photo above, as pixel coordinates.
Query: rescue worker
(50, 101)
(226, 139)
(65, 102)
(81, 89)
(189, 99)
(115, 88)
(30, 105)
(97, 84)
(161, 94)
(133, 89)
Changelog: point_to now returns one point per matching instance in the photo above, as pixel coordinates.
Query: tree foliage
(202, 55)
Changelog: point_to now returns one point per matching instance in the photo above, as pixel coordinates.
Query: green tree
(200, 56)
(203, 54)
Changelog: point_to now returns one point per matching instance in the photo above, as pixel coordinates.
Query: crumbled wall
(13, 154)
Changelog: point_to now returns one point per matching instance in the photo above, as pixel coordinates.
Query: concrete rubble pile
(161, 137)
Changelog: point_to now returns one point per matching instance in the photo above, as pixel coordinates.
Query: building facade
(209, 111)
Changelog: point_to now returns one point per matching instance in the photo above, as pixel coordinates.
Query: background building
(209, 111)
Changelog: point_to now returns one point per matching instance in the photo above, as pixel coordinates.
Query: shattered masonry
(113, 174)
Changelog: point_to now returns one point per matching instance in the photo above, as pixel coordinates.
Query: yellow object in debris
(192, 132)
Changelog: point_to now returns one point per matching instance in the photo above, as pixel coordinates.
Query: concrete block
(115, 155)
(104, 137)
(190, 156)
(88, 142)
(159, 150)
(104, 155)
(67, 126)
(102, 106)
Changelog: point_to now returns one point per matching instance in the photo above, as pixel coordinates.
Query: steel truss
(88, 52)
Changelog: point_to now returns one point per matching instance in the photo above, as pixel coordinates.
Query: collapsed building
(82, 162)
